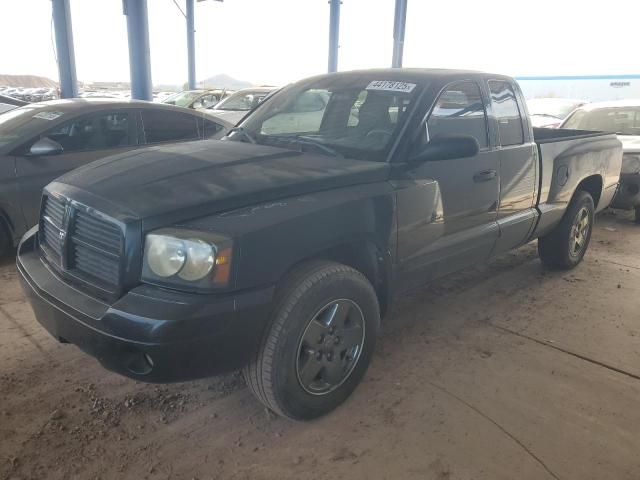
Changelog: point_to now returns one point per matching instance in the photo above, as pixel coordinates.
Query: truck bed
(567, 158)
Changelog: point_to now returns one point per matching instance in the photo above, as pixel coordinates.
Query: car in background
(623, 118)
(550, 112)
(197, 99)
(39, 142)
(9, 103)
(236, 106)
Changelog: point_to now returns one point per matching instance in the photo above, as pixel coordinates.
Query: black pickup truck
(279, 249)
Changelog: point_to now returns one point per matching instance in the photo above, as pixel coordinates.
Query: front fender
(272, 237)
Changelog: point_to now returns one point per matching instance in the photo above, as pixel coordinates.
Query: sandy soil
(504, 371)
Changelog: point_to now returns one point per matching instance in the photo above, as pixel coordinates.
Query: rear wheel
(566, 245)
(320, 341)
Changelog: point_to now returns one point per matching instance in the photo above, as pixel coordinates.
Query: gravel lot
(504, 371)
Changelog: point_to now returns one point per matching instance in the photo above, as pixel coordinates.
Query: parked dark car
(40, 142)
(279, 253)
(623, 118)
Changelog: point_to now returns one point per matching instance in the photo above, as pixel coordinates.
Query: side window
(166, 126)
(94, 132)
(210, 129)
(460, 111)
(506, 111)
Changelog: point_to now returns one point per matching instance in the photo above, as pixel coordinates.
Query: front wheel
(320, 341)
(566, 245)
(637, 214)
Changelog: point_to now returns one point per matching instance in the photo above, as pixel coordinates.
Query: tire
(638, 215)
(303, 369)
(566, 245)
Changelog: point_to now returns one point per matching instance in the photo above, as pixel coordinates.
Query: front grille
(82, 243)
(96, 245)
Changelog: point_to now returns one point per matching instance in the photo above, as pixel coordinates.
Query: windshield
(182, 99)
(355, 117)
(621, 120)
(23, 122)
(552, 107)
(242, 101)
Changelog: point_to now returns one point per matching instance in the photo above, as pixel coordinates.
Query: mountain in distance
(223, 80)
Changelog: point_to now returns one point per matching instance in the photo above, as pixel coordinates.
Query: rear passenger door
(518, 165)
(447, 210)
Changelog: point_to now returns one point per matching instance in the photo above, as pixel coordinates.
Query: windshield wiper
(244, 133)
(303, 140)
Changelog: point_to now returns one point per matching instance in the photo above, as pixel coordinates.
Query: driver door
(447, 209)
(83, 140)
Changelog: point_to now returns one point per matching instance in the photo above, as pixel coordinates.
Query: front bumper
(150, 334)
(628, 195)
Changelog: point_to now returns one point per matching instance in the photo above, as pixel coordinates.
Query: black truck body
(297, 219)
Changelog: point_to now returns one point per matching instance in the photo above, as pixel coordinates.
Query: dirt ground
(504, 371)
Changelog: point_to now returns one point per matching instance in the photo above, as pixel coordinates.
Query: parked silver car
(550, 112)
(236, 106)
(623, 118)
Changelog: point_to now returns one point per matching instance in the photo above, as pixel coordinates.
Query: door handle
(485, 176)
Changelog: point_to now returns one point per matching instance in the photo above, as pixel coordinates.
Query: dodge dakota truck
(279, 249)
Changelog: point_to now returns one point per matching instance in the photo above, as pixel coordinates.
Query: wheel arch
(593, 185)
(363, 255)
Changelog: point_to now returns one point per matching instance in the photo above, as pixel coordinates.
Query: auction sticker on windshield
(390, 86)
(47, 115)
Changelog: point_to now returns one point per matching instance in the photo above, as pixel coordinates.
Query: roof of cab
(418, 75)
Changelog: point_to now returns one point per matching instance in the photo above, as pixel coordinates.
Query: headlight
(177, 257)
(631, 164)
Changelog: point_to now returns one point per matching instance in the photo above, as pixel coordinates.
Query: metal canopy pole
(139, 55)
(399, 24)
(64, 49)
(191, 45)
(334, 34)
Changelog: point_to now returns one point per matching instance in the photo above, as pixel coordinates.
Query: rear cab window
(507, 113)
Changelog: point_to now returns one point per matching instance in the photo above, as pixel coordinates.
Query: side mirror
(447, 147)
(45, 146)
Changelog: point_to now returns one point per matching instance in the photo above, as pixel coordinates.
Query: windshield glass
(182, 99)
(356, 117)
(553, 107)
(621, 120)
(241, 101)
(23, 122)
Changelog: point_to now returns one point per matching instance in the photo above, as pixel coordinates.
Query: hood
(630, 143)
(193, 179)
